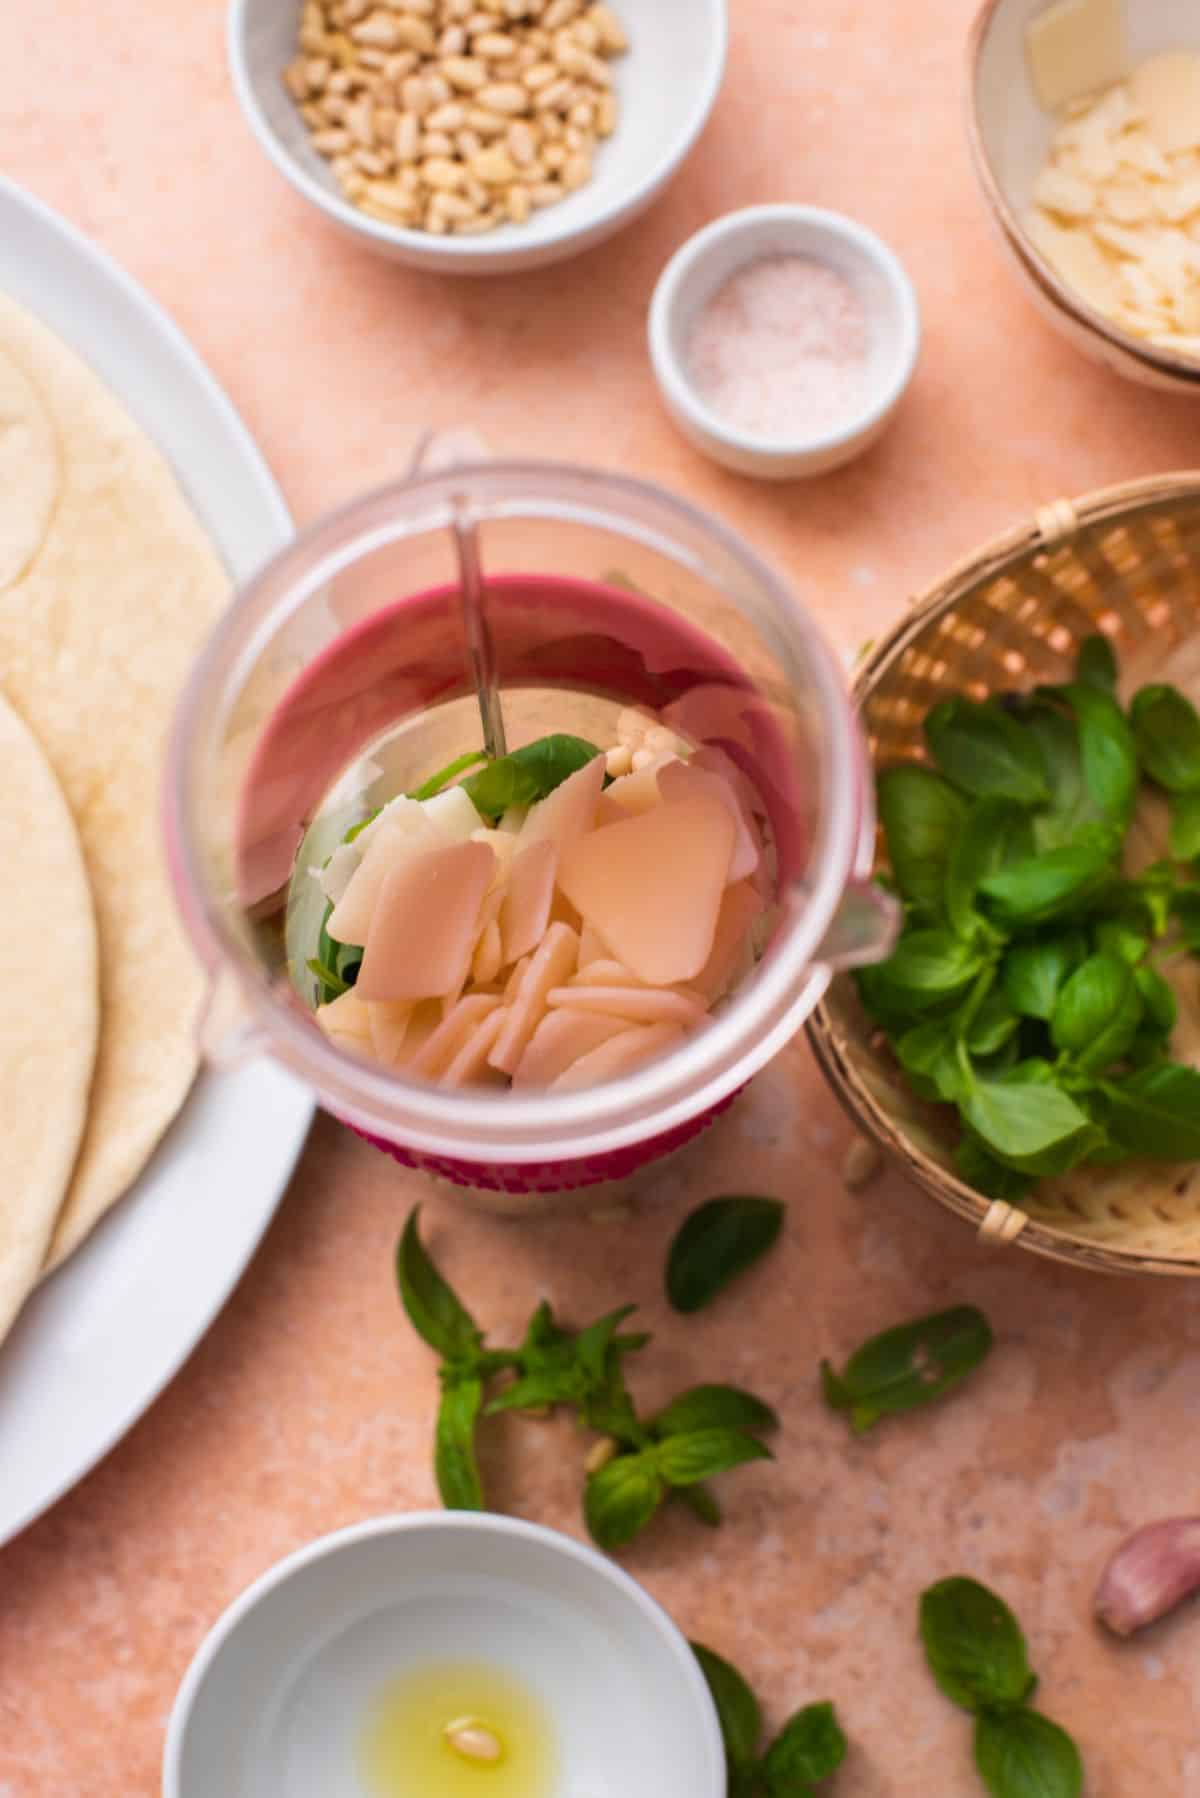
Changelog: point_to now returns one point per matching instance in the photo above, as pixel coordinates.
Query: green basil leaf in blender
(907, 1367)
(808, 1748)
(528, 774)
(332, 985)
(429, 789)
(928, 967)
(997, 833)
(434, 1311)
(1166, 728)
(1030, 1124)
(702, 1454)
(1184, 829)
(974, 1646)
(714, 1407)
(1156, 1112)
(621, 1498)
(1160, 1006)
(1021, 1754)
(987, 1175)
(454, 1460)
(922, 817)
(1096, 664)
(737, 1708)
(716, 1243)
(1061, 883)
(986, 752)
(1032, 974)
(1097, 1013)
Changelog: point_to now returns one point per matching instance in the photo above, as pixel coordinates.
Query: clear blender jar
(486, 605)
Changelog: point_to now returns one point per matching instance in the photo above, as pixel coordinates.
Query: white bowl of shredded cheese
(1085, 131)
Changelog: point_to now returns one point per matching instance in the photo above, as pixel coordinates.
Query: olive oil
(407, 1751)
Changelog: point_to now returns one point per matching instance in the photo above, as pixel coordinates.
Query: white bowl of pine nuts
(477, 136)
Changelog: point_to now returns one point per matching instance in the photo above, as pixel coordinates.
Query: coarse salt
(781, 350)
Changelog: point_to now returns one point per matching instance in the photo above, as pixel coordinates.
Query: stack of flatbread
(107, 589)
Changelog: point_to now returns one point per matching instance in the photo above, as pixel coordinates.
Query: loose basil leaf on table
(986, 752)
(737, 1708)
(528, 774)
(716, 1243)
(922, 817)
(1096, 664)
(434, 1311)
(974, 1646)
(1156, 1112)
(997, 833)
(909, 1366)
(455, 1466)
(702, 1454)
(1097, 1013)
(1032, 974)
(1183, 831)
(621, 1498)
(808, 1748)
(1027, 1121)
(1166, 728)
(1021, 1754)
(714, 1407)
(1063, 882)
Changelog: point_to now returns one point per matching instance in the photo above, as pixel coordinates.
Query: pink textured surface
(310, 1403)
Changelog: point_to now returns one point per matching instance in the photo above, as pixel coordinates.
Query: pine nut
(555, 156)
(555, 98)
(612, 32)
(606, 114)
(495, 166)
(488, 124)
(314, 42)
(470, 1738)
(437, 143)
(506, 68)
(478, 22)
(360, 122)
(371, 162)
(474, 227)
(571, 59)
(467, 144)
(416, 96)
(861, 1164)
(329, 143)
(540, 75)
(354, 186)
(296, 79)
(354, 10)
(504, 97)
(517, 9)
(527, 56)
(453, 207)
(371, 59)
(559, 12)
(313, 117)
(522, 145)
(415, 34)
(579, 141)
(342, 166)
(450, 117)
(408, 137)
(493, 44)
(457, 9)
(426, 7)
(578, 171)
(403, 64)
(435, 224)
(452, 42)
(478, 194)
(545, 193)
(553, 128)
(378, 29)
(584, 33)
(465, 73)
(440, 172)
(440, 89)
(582, 115)
(386, 120)
(519, 204)
(600, 1454)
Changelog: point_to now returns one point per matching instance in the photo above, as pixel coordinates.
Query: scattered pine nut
(473, 1740)
(862, 1162)
(600, 1454)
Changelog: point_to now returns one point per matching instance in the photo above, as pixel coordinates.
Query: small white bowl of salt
(783, 338)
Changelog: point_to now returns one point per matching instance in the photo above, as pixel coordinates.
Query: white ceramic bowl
(666, 83)
(707, 260)
(1010, 140)
(275, 1703)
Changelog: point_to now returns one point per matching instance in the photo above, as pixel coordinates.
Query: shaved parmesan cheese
(389, 1027)
(619, 1055)
(680, 779)
(1074, 47)
(395, 836)
(346, 1021)
(641, 1004)
(453, 1034)
(471, 1059)
(525, 912)
(1166, 89)
(732, 952)
(560, 1040)
(338, 872)
(549, 967)
(452, 814)
(425, 923)
(564, 815)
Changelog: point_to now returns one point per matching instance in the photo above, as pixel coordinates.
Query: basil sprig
(1027, 988)
(809, 1748)
(717, 1242)
(705, 1431)
(977, 1654)
(908, 1367)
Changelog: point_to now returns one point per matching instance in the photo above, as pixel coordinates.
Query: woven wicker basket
(1125, 561)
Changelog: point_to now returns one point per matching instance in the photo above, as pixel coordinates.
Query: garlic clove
(1153, 1570)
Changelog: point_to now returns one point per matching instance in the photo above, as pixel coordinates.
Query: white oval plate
(101, 1339)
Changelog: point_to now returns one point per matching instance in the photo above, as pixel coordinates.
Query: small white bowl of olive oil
(445, 1654)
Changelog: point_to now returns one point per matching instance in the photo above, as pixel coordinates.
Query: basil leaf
(1033, 973)
(1156, 1112)
(1096, 665)
(1160, 1007)
(1167, 731)
(1097, 1013)
(1184, 832)
(719, 1241)
(997, 833)
(737, 1708)
(528, 774)
(927, 967)
(621, 1498)
(429, 789)
(1114, 937)
(808, 1748)
(987, 1175)
(701, 1503)
(1054, 885)
(1034, 1126)
(433, 1310)
(974, 1646)
(714, 1407)
(332, 985)
(558, 1368)
(1152, 894)
(994, 1023)
(1107, 750)
(922, 817)
(702, 1454)
(928, 1053)
(454, 1461)
(1071, 808)
(1021, 1754)
(1185, 911)
(593, 1344)
(909, 1366)
(986, 752)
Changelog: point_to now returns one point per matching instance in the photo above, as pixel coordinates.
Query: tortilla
(96, 639)
(29, 471)
(50, 1021)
